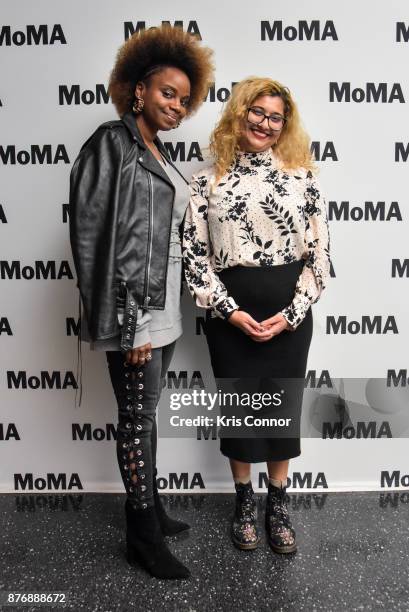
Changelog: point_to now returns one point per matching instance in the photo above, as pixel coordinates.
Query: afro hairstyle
(162, 46)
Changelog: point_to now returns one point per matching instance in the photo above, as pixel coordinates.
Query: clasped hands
(259, 332)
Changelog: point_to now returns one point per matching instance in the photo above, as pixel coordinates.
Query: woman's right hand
(139, 355)
(248, 325)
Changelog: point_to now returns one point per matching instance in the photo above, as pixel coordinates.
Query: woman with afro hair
(127, 203)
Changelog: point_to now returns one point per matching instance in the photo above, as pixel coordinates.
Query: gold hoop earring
(138, 105)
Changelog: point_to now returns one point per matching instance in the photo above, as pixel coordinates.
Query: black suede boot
(145, 544)
(280, 532)
(244, 531)
(168, 525)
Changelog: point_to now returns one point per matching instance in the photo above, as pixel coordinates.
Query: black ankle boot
(146, 546)
(244, 531)
(168, 525)
(280, 532)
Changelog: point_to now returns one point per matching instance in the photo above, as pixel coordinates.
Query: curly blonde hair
(150, 51)
(293, 147)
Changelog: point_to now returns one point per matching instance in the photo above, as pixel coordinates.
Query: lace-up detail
(281, 534)
(244, 526)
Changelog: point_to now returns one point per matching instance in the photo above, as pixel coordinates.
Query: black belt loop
(130, 319)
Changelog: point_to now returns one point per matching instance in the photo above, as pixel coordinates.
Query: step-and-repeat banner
(346, 65)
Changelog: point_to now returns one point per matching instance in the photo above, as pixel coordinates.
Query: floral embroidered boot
(280, 532)
(244, 531)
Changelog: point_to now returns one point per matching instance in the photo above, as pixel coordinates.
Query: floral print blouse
(257, 215)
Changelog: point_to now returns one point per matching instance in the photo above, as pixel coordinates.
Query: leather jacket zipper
(147, 298)
(170, 229)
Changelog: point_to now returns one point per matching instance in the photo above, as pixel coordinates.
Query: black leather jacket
(121, 203)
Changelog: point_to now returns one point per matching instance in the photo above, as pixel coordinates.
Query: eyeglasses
(256, 115)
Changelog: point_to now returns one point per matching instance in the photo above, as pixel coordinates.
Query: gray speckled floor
(352, 554)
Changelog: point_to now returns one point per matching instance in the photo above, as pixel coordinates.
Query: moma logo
(47, 270)
(370, 429)
(46, 380)
(402, 32)
(303, 30)
(394, 479)
(181, 481)
(397, 379)
(61, 481)
(400, 268)
(305, 480)
(8, 432)
(190, 26)
(87, 432)
(393, 500)
(5, 327)
(367, 325)
(321, 151)
(72, 94)
(72, 326)
(3, 218)
(65, 213)
(370, 211)
(316, 380)
(370, 92)
(183, 381)
(32, 35)
(401, 151)
(37, 154)
(53, 503)
(181, 151)
(204, 433)
(218, 94)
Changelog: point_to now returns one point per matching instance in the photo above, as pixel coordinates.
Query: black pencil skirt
(262, 292)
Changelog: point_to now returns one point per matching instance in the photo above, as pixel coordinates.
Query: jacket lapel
(145, 158)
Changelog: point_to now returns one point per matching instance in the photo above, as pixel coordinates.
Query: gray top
(159, 327)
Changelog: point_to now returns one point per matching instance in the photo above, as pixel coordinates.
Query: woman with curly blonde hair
(256, 253)
(127, 203)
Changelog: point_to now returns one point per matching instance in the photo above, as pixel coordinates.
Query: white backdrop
(360, 121)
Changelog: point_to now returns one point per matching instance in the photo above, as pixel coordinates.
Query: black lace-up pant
(137, 390)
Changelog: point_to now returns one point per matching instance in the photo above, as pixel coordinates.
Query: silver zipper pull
(146, 301)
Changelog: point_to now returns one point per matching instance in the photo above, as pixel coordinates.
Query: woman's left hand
(275, 325)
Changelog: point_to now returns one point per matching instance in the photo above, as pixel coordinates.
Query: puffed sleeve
(204, 284)
(316, 271)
